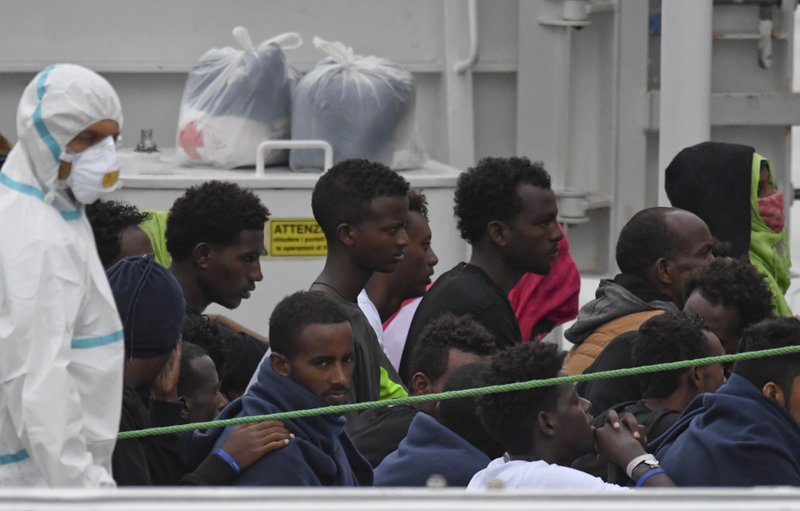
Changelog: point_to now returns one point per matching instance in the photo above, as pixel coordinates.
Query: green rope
(454, 394)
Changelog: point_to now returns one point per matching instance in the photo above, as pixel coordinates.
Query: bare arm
(165, 388)
(236, 327)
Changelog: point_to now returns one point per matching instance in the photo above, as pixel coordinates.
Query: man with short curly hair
(116, 231)
(447, 343)
(544, 430)
(362, 208)
(664, 395)
(730, 295)
(389, 300)
(310, 366)
(215, 234)
(452, 445)
(507, 212)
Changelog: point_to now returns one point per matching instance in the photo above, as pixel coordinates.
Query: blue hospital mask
(95, 171)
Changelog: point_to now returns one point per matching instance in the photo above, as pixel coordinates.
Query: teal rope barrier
(454, 394)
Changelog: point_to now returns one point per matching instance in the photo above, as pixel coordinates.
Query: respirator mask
(95, 171)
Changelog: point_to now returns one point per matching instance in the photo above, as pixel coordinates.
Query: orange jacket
(582, 355)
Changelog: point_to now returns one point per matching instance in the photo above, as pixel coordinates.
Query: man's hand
(249, 442)
(620, 440)
(165, 388)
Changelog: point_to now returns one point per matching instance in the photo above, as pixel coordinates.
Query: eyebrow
(549, 215)
(705, 247)
(94, 133)
(323, 358)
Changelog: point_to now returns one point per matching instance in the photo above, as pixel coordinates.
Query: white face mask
(95, 171)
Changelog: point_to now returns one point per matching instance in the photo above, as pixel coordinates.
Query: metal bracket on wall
(764, 35)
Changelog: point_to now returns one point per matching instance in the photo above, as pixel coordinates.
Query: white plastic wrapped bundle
(235, 99)
(363, 106)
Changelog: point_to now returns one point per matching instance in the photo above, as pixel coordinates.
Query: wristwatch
(644, 467)
(641, 464)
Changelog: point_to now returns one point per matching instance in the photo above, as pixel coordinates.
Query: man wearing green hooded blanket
(732, 188)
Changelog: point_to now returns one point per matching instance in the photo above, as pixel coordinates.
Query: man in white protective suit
(61, 350)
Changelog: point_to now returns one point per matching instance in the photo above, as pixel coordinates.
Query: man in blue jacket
(745, 434)
(311, 365)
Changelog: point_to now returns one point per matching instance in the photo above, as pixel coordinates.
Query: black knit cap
(151, 305)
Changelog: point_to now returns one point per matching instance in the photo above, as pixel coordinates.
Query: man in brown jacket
(656, 250)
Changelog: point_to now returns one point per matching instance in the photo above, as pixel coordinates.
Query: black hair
(297, 311)
(216, 213)
(720, 248)
(418, 202)
(667, 338)
(488, 192)
(511, 416)
(447, 331)
(108, 219)
(343, 193)
(461, 415)
(189, 380)
(644, 239)
(200, 331)
(734, 283)
(783, 369)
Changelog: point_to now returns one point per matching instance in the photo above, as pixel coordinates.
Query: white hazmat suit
(61, 349)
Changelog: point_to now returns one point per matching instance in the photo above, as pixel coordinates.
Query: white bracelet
(635, 462)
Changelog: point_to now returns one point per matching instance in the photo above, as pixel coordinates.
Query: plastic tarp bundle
(363, 106)
(235, 99)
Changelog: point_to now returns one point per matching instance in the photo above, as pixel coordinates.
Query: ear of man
(664, 271)
(280, 364)
(420, 384)
(346, 234)
(498, 232)
(184, 408)
(547, 423)
(774, 392)
(201, 254)
(695, 376)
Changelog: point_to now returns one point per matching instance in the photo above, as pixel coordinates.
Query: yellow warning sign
(296, 237)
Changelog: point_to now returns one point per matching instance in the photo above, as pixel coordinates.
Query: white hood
(59, 103)
(61, 350)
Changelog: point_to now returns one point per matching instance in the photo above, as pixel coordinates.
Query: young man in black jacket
(215, 234)
(508, 214)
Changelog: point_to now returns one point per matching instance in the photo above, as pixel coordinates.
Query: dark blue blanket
(734, 437)
(321, 454)
(430, 448)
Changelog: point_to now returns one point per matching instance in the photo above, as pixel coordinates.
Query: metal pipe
(463, 66)
(564, 118)
(685, 102)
